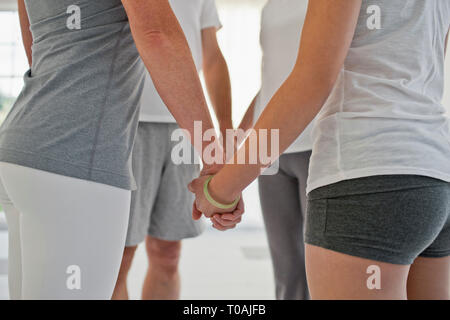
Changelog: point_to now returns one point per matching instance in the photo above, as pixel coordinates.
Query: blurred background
(232, 265)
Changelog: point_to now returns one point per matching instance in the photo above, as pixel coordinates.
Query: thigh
(14, 246)
(336, 276)
(171, 218)
(11, 212)
(299, 167)
(282, 212)
(283, 218)
(148, 162)
(73, 233)
(429, 279)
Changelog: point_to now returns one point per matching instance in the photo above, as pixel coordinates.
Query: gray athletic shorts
(162, 205)
(393, 218)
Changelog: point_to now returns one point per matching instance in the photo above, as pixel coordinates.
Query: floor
(233, 265)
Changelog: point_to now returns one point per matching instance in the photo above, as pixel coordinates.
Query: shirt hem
(296, 149)
(39, 162)
(163, 119)
(367, 172)
(216, 25)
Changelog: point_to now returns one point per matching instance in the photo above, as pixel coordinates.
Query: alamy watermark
(374, 280)
(73, 281)
(263, 147)
(374, 20)
(74, 20)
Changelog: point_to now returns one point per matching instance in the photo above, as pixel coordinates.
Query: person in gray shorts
(161, 206)
(283, 195)
(378, 216)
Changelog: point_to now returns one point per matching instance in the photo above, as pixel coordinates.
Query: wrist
(221, 192)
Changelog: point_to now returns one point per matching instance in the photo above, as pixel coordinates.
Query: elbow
(212, 61)
(156, 41)
(208, 64)
(156, 38)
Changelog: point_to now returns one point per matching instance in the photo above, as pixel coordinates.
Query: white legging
(66, 235)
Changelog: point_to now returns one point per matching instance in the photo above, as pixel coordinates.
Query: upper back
(402, 41)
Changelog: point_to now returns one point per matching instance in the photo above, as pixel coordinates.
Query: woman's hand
(201, 203)
(227, 221)
(222, 219)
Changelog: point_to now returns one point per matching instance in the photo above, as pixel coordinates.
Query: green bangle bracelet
(214, 202)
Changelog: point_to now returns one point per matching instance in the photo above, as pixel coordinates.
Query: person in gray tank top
(65, 147)
(77, 113)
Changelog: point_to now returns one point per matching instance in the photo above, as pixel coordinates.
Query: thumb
(191, 186)
(196, 215)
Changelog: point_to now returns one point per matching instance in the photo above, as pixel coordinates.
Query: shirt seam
(105, 100)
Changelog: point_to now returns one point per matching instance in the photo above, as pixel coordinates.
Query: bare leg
(163, 279)
(429, 279)
(333, 275)
(120, 291)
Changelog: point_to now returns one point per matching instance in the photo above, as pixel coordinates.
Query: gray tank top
(78, 111)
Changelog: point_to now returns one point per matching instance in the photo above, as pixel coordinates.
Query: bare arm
(166, 54)
(217, 79)
(27, 38)
(328, 32)
(248, 118)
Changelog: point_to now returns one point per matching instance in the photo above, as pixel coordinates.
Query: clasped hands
(222, 219)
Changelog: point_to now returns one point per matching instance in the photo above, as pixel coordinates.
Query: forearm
(248, 118)
(292, 108)
(327, 34)
(172, 69)
(218, 84)
(27, 38)
(166, 54)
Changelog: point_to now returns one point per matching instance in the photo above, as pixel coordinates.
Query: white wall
(8, 5)
(239, 40)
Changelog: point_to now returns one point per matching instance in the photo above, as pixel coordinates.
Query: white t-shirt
(385, 115)
(281, 27)
(194, 16)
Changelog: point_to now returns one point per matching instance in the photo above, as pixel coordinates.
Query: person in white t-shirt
(283, 195)
(371, 72)
(161, 206)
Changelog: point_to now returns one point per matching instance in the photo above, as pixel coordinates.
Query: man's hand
(211, 169)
